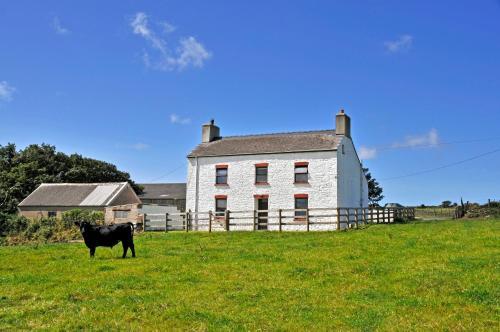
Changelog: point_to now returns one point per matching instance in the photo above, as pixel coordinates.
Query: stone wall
(133, 214)
(38, 212)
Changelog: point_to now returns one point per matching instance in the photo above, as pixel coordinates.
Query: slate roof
(163, 191)
(269, 143)
(74, 194)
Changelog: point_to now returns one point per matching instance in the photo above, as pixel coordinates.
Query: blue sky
(130, 82)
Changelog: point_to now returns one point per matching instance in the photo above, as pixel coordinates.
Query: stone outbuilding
(118, 201)
(164, 194)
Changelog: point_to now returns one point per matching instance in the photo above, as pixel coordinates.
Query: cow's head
(83, 225)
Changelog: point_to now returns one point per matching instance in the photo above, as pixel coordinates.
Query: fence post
(254, 220)
(307, 219)
(371, 211)
(378, 215)
(279, 219)
(188, 220)
(226, 219)
(348, 218)
(338, 219)
(356, 217)
(144, 222)
(166, 222)
(210, 221)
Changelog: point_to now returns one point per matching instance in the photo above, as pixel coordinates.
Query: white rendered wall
(352, 184)
(241, 188)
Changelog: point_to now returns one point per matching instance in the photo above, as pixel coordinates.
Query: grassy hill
(418, 276)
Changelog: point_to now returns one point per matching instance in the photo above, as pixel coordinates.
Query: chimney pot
(209, 132)
(343, 124)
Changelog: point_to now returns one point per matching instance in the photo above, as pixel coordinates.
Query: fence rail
(314, 219)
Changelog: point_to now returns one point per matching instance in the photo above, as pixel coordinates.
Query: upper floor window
(221, 174)
(261, 173)
(301, 172)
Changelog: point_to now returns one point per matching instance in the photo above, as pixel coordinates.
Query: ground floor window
(52, 214)
(301, 203)
(121, 214)
(220, 205)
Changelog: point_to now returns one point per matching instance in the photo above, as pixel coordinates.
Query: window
(301, 203)
(261, 173)
(220, 205)
(121, 214)
(221, 174)
(52, 214)
(301, 172)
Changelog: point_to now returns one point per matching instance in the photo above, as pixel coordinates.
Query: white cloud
(6, 91)
(430, 139)
(403, 43)
(167, 27)
(189, 52)
(174, 118)
(58, 28)
(139, 146)
(140, 27)
(366, 153)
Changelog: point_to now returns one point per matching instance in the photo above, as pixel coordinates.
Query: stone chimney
(209, 132)
(343, 124)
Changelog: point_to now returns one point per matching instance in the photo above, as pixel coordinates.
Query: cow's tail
(131, 228)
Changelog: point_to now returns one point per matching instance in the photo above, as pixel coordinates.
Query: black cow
(107, 236)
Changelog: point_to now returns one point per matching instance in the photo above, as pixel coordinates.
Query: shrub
(19, 230)
(12, 224)
(93, 217)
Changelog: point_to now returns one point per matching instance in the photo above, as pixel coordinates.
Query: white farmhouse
(296, 170)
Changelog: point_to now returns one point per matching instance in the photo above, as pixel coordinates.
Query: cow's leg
(92, 252)
(132, 248)
(125, 248)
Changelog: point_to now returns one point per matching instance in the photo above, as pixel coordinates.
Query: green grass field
(418, 276)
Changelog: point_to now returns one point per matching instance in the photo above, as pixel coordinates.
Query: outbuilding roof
(75, 194)
(163, 191)
(321, 140)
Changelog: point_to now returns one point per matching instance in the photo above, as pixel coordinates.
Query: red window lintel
(220, 196)
(262, 165)
(261, 196)
(301, 163)
(301, 195)
(220, 166)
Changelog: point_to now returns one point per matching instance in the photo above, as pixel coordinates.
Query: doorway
(262, 214)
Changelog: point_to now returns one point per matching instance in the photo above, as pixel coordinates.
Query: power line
(442, 167)
(408, 146)
(168, 173)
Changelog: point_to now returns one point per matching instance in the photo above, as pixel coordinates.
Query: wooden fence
(314, 219)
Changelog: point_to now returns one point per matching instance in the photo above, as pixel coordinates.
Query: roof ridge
(161, 183)
(79, 183)
(282, 133)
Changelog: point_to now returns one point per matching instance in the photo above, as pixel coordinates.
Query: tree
(374, 188)
(446, 204)
(23, 171)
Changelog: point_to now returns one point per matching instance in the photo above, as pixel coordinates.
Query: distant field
(437, 213)
(419, 276)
